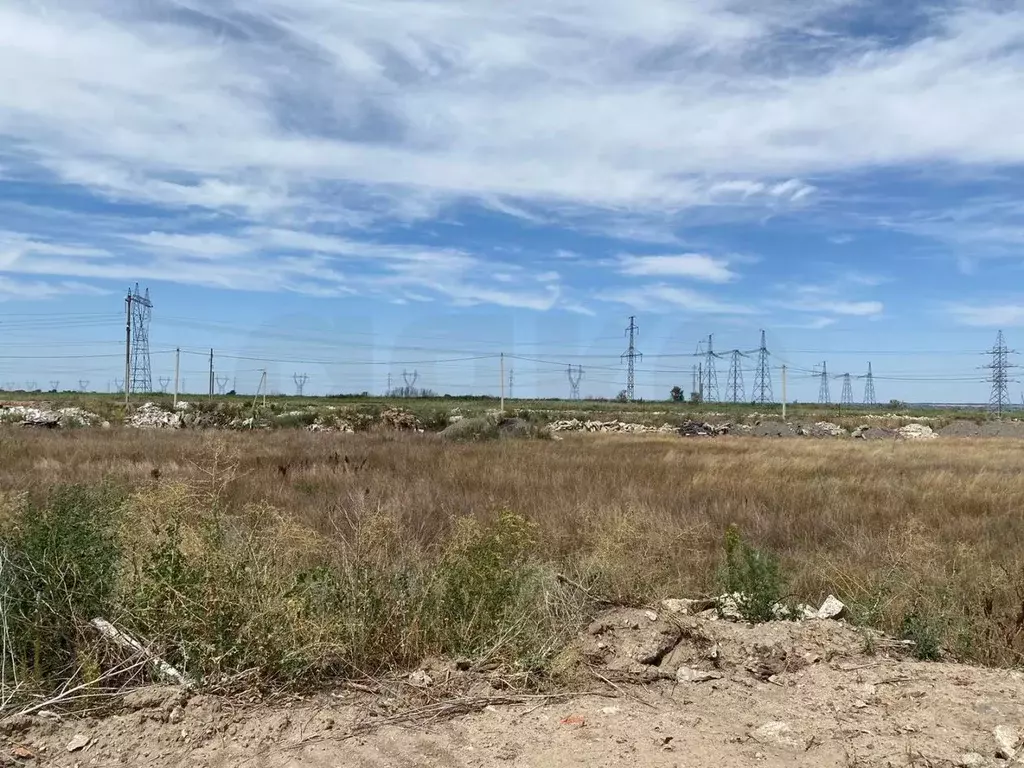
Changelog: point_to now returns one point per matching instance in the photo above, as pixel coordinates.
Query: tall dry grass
(329, 554)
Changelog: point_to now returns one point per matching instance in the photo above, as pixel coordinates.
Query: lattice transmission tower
(1000, 366)
(847, 397)
(869, 388)
(763, 378)
(710, 372)
(735, 386)
(824, 396)
(300, 379)
(140, 312)
(631, 355)
(575, 376)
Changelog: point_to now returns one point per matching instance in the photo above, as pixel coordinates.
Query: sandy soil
(669, 691)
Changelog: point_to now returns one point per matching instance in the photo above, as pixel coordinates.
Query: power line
(574, 382)
(847, 396)
(824, 396)
(869, 387)
(735, 387)
(141, 312)
(763, 379)
(999, 400)
(711, 375)
(631, 355)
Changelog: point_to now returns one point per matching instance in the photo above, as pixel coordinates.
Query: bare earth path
(782, 694)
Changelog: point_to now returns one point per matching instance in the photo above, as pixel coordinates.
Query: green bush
(486, 597)
(925, 634)
(754, 576)
(59, 572)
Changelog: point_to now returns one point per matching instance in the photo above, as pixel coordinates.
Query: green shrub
(926, 635)
(485, 595)
(59, 572)
(754, 576)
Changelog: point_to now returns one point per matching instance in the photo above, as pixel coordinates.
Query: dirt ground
(666, 690)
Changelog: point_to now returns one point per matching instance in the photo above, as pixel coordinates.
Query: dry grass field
(291, 557)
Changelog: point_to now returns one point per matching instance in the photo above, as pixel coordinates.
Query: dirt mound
(660, 689)
(651, 645)
(773, 429)
(393, 418)
(963, 428)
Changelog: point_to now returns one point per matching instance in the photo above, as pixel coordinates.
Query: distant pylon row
(705, 375)
(846, 398)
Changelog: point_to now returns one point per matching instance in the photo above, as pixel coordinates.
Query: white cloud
(627, 121)
(697, 266)
(660, 297)
(828, 298)
(988, 315)
(618, 106)
(259, 259)
(835, 306)
(14, 289)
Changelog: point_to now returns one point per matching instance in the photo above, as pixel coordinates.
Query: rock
(651, 615)
(393, 418)
(690, 675)
(420, 679)
(152, 416)
(916, 432)
(729, 606)
(1007, 741)
(779, 733)
(687, 607)
(971, 760)
(80, 741)
(827, 429)
(176, 716)
(832, 608)
(652, 647)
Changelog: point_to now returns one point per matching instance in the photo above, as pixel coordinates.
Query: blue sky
(351, 189)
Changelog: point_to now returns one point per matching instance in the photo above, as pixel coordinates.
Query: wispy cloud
(988, 315)
(697, 266)
(238, 108)
(660, 297)
(628, 122)
(265, 259)
(825, 299)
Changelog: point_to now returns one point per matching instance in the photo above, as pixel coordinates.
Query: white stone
(690, 675)
(80, 741)
(1007, 741)
(972, 760)
(686, 607)
(832, 608)
(916, 432)
(420, 679)
(780, 733)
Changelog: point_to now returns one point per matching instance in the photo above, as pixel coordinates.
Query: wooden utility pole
(783, 393)
(177, 371)
(127, 349)
(502, 375)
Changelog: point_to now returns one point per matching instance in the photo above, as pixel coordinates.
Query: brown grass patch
(920, 538)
